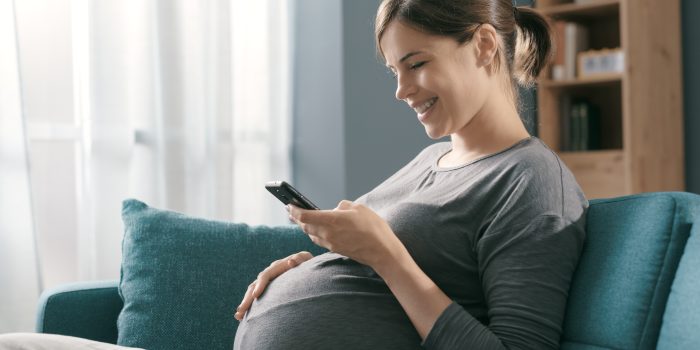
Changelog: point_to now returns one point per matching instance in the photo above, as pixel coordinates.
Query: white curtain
(181, 103)
(19, 281)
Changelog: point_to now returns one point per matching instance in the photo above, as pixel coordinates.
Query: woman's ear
(485, 41)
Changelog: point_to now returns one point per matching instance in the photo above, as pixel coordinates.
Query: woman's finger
(246, 302)
(298, 258)
(319, 242)
(275, 269)
(302, 256)
(263, 279)
(308, 216)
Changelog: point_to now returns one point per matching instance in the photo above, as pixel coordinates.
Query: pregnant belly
(328, 302)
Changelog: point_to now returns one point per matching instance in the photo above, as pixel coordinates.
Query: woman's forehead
(400, 40)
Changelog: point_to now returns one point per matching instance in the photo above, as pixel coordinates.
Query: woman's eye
(417, 65)
(414, 66)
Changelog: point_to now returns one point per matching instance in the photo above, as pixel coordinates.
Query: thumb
(308, 216)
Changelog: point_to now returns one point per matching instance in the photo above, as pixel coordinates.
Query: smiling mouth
(424, 107)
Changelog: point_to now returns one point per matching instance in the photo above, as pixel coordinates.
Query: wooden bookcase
(641, 110)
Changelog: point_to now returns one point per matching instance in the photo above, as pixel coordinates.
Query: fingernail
(238, 308)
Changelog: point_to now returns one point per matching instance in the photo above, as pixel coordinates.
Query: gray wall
(350, 132)
(318, 139)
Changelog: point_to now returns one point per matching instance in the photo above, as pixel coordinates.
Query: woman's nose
(404, 87)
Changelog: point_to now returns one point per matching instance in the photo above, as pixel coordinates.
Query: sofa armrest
(85, 309)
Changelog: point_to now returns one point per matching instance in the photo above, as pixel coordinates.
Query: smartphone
(289, 195)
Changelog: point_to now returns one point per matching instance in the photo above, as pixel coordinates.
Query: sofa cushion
(183, 277)
(619, 292)
(681, 325)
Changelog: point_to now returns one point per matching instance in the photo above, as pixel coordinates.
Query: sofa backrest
(621, 287)
(681, 323)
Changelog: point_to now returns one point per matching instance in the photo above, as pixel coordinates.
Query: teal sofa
(637, 285)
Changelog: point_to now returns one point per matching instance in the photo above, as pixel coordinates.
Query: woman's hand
(359, 233)
(275, 269)
(350, 229)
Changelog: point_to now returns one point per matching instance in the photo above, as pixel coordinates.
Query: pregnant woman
(473, 243)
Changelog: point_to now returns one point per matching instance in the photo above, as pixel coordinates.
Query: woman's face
(436, 76)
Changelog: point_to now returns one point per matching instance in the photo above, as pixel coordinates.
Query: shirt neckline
(436, 167)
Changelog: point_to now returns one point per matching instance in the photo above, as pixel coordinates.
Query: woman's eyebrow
(408, 55)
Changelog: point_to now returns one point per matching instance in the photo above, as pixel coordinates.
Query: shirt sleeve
(526, 270)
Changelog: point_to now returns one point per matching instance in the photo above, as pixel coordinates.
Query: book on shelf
(580, 125)
(601, 63)
(566, 122)
(570, 39)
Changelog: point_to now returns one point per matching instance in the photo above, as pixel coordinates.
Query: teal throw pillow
(183, 277)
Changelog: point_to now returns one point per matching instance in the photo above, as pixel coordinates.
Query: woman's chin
(433, 133)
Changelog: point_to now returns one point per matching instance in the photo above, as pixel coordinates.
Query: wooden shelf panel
(574, 11)
(574, 83)
(601, 174)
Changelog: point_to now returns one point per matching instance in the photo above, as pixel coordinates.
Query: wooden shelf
(574, 11)
(600, 173)
(606, 80)
(640, 110)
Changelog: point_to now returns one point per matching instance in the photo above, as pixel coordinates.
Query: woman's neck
(495, 127)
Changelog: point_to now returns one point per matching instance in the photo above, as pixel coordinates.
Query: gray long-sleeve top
(501, 236)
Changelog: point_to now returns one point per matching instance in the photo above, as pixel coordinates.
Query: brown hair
(526, 36)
